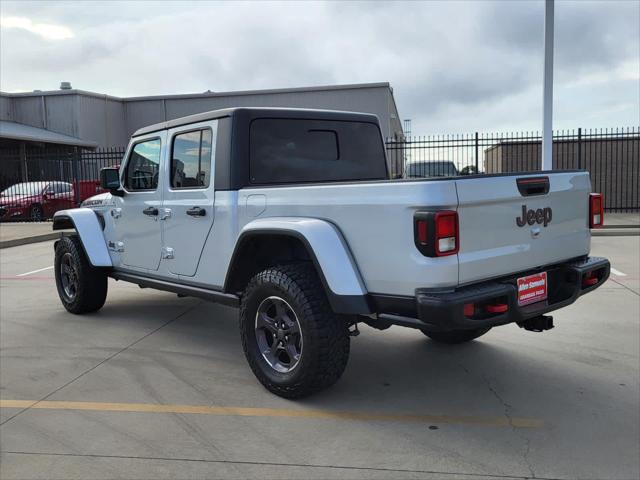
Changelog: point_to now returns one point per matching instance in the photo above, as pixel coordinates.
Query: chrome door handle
(196, 212)
(151, 211)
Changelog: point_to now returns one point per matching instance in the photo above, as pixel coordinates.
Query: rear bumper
(444, 310)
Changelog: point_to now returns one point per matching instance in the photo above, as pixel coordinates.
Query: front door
(137, 212)
(189, 197)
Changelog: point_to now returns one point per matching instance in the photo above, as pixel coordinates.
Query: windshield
(431, 169)
(23, 189)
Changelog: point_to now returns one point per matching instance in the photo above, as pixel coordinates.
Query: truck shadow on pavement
(506, 372)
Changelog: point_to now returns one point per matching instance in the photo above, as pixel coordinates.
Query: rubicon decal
(529, 217)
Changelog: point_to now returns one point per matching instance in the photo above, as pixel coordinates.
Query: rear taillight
(596, 210)
(436, 233)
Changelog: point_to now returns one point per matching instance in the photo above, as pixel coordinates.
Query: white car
(290, 215)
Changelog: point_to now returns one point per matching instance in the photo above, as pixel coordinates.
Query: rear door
(189, 198)
(510, 224)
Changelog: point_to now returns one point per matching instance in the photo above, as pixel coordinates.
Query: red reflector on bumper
(469, 309)
(497, 308)
(589, 279)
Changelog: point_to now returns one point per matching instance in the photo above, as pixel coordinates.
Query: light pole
(547, 101)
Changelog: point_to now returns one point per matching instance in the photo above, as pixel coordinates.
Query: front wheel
(82, 288)
(35, 213)
(294, 343)
(456, 336)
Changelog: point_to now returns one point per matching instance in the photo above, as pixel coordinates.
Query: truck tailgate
(493, 244)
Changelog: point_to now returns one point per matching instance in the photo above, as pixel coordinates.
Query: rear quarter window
(296, 150)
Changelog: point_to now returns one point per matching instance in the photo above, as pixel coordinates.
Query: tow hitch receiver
(537, 324)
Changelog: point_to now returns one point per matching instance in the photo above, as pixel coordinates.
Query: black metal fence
(37, 182)
(68, 165)
(612, 156)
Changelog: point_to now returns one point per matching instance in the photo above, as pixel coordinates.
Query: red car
(35, 200)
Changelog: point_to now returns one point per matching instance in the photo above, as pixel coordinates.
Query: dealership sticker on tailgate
(532, 288)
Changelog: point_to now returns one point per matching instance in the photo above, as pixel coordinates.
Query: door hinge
(167, 252)
(116, 246)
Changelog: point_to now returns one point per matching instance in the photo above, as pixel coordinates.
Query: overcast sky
(454, 66)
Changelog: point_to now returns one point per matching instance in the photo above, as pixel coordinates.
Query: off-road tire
(91, 290)
(325, 335)
(36, 214)
(456, 336)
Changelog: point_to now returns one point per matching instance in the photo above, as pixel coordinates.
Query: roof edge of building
(352, 86)
(28, 133)
(53, 93)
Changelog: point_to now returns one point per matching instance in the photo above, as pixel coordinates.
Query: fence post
(24, 167)
(75, 161)
(579, 148)
(477, 161)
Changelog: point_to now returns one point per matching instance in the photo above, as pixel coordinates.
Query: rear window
(288, 150)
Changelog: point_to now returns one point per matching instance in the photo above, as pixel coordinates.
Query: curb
(26, 240)
(616, 232)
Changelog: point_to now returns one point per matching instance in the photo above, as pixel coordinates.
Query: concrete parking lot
(155, 386)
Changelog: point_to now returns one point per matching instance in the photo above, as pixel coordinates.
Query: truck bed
(376, 221)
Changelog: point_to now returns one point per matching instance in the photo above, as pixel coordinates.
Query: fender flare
(86, 223)
(327, 249)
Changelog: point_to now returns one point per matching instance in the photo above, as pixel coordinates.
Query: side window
(62, 188)
(191, 159)
(142, 168)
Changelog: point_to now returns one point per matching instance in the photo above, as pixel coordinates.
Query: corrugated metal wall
(101, 120)
(5, 108)
(110, 121)
(140, 113)
(28, 110)
(62, 114)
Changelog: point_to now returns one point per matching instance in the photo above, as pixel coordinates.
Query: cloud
(44, 30)
(454, 66)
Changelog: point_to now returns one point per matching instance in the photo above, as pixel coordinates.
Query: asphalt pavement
(155, 386)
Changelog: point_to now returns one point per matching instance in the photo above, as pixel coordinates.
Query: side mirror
(110, 180)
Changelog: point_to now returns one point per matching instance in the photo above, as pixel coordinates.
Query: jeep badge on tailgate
(541, 215)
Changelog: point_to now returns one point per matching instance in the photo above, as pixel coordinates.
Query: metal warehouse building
(76, 118)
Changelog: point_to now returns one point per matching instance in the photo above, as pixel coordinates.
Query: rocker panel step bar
(179, 288)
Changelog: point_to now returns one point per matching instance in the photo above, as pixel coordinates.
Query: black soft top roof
(261, 112)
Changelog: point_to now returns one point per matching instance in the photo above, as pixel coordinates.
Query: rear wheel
(294, 343)
(82, 288)
(456, 336)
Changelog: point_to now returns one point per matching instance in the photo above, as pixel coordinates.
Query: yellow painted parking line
(272, 412)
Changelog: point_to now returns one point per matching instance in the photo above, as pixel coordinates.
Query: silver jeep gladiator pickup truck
(290, 215)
